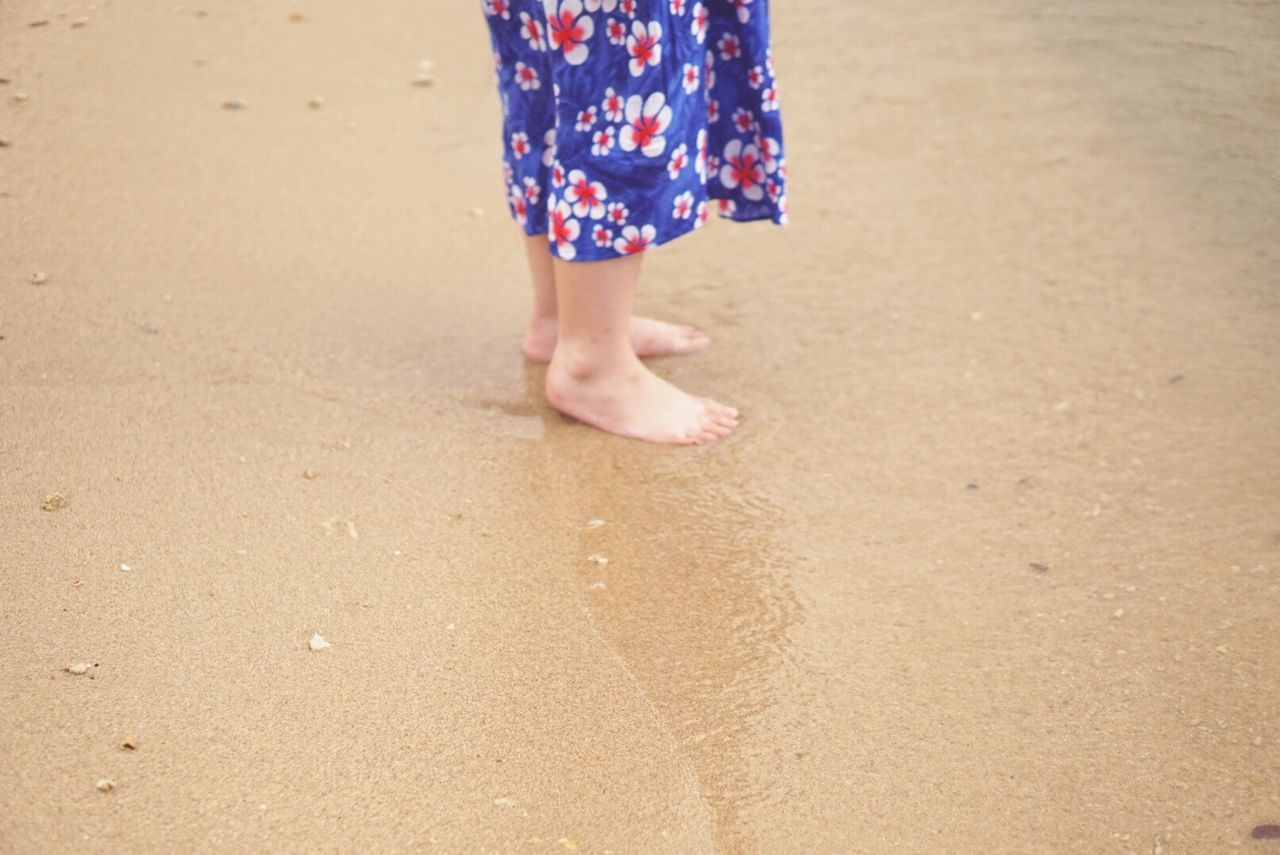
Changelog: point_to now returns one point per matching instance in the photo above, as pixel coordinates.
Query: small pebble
(39, 23)
(477, 212)
(424, 76)
(594, 523)
(19, 97)
(1221, 648)
(1119, 613)
(318, 643)
(39, 277)
(78, 668)
(234, 104)
(1265, 832)
(105, 784)
(125, 568)
(54, 502)
(597, 586)
(5, 142)
(309, 474)
(1039, 568)
(295, 17)
(80, 22)
(316, 102)
(599, 559)
(129, 743)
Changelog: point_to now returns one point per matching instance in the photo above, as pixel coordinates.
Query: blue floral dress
(624, 119)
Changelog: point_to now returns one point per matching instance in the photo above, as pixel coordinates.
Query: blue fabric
(624, 121)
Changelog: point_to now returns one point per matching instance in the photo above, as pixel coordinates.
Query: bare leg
(595, 375)
(649, 337)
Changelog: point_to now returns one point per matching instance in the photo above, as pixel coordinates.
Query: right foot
(630, 400)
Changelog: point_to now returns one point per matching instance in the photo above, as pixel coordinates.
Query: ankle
(541, 325)
(582, 362)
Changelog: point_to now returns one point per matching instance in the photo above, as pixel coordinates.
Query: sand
(992, 565)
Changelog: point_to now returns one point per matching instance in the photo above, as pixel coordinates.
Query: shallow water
(1026, 317)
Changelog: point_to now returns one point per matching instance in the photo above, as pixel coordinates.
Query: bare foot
(630, 400)
(649, 337)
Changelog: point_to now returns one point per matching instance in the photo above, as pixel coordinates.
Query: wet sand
(992, 565)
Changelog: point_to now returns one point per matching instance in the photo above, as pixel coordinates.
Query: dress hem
(603, 254)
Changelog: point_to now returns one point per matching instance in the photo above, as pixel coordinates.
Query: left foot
(649, 337)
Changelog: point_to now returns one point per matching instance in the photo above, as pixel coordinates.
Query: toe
(689, 339)
(720, 431)
(718, 408)
(715, 424)
(727, 422)
(707, 436)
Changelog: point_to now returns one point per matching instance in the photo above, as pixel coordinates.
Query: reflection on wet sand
(684, 577)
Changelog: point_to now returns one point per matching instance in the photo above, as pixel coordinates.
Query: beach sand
(992, 565)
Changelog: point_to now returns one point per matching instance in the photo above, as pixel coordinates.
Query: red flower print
(617, 213)
(682, 208)
(586, 119)
(562, 229)
(742, 168)
(679, 159)
(527, 77)
(531, 31)
(613, 105)
(699, 24)
(617, 32)
(519, 207)
(730, 47)
(519, 144)
(647, 119)
(635, 239)
(770, 149)
(587, 197)
(569, 29)
(602, 141)
(690, 77)
(532, 192)
(644, 46)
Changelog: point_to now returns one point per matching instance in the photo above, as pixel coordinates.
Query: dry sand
(992, 566)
